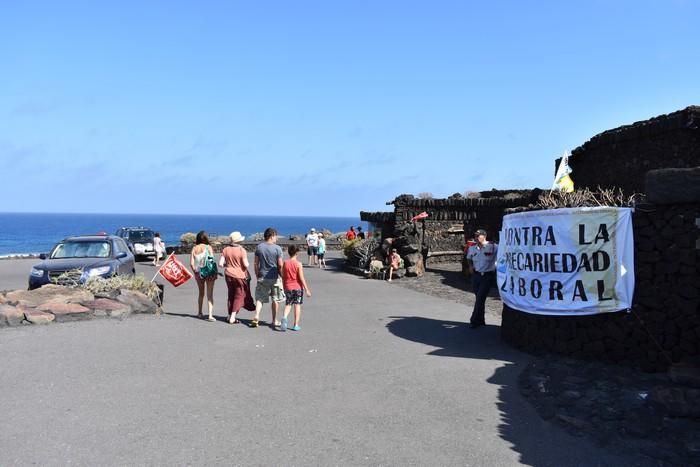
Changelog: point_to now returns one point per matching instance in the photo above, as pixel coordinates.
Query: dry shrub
(349, 245)
(586, 198)
(188, 237)
(98, 285)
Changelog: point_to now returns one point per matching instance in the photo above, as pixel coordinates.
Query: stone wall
(621, 157)
(451, 221)
(663, 326)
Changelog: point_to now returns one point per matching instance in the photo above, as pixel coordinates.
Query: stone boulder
(138, 302)
(66, 311)
(10, 316)
(38, 317)
(670, 186)
(414, 265)
(107, 307)
(50, 292)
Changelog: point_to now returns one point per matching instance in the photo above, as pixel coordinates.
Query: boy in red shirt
(294, 288)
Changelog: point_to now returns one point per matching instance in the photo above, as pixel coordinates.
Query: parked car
(86, 256)
(139, 239)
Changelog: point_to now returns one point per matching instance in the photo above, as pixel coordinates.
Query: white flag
(562, 181)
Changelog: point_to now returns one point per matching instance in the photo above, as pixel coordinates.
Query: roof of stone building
(486, 198)
(377, 216)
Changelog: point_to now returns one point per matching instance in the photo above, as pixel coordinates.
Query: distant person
(294, 288)
(360, 233)
(234, 260)
(268, 264)
(481, 259)
(321, 251)
(199, 255)
(159, 246)
(312, 247)
(393, 262)
(350, 234)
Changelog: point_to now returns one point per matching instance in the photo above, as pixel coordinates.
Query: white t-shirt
(312, 239)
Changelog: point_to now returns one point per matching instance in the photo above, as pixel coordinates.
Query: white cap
(313, 230)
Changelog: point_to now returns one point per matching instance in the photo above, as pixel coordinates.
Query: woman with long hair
(199, 255)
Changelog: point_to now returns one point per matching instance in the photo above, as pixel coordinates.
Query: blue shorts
(294, 297)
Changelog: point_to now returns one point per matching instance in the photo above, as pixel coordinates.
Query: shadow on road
(531, 437)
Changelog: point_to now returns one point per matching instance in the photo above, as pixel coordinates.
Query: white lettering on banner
(567, 261)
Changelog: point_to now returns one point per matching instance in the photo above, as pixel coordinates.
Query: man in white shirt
(312, 247)
(481, 258)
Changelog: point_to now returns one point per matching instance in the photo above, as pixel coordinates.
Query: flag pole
(161, 266)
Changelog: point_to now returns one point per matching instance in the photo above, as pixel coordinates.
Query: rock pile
(55, 303)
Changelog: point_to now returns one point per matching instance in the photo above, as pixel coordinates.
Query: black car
(139, 239)
(87, 256)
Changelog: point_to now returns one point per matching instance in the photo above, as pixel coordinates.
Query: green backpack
(209, 267)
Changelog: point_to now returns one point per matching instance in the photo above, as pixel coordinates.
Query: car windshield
(141, 235)
(96, 249)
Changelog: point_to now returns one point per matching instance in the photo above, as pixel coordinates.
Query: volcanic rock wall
(663, 326)
(450, 221)
(622, 156)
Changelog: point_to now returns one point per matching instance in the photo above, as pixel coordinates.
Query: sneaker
(283, 325)
(296, 328)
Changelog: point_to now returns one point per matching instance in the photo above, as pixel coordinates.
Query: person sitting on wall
(394, 262)
(360, 233)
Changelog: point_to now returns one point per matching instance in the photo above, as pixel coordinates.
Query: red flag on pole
(174, 271)
(420, 216)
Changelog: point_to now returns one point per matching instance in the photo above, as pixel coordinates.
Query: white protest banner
(572, 261)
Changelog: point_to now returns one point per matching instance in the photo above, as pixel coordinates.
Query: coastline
(185, 248)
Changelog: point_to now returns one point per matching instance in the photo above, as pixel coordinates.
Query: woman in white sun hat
(234, 260)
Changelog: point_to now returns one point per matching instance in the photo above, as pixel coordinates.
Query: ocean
(34, 233)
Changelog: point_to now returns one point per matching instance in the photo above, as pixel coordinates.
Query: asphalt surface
(378, 375)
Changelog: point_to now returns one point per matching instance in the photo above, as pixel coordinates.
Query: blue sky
(319, 107)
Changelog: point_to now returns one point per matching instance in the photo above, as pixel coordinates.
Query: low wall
(663, 326)
(185, 249)
(450, 221)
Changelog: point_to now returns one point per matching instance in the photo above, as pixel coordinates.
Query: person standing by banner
(481, 258)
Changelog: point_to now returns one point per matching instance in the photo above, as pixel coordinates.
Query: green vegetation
(349, 245)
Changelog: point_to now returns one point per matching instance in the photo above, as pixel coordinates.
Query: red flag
(174, 271)
(420, 216)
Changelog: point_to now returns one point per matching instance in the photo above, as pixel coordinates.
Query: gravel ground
(446, 281)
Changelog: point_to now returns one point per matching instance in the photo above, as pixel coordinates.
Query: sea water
(34, 233)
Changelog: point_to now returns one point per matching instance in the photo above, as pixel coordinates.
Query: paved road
(379, 375)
